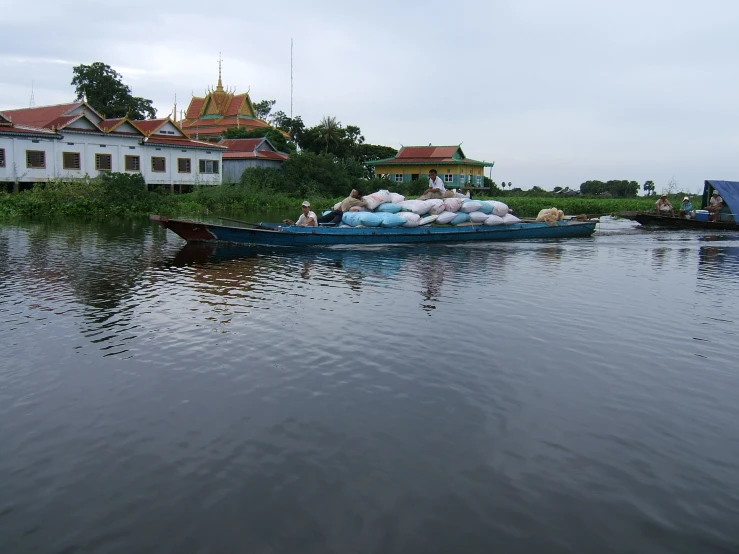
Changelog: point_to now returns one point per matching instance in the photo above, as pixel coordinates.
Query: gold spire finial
(219, 88)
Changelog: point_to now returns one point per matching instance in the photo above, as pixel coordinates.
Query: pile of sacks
(550, 215)
(389, 209)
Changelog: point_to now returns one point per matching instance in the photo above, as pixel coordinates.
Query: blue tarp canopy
(729, 191)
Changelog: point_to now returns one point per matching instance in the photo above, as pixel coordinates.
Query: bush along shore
(260, 190)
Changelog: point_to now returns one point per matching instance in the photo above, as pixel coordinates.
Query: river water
(573, 396)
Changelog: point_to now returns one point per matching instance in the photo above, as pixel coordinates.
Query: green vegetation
(529, 206)
(103, 88)
(305, 176)
(621, 189)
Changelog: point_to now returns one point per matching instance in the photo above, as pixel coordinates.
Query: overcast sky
(555, 92)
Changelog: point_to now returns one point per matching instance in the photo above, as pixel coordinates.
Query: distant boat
(271, 234)
(728, 190)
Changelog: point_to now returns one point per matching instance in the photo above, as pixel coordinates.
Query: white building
(73, 140)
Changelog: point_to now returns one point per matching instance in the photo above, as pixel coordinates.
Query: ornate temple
(207, 117)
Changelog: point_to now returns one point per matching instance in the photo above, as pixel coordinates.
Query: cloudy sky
(555, 92)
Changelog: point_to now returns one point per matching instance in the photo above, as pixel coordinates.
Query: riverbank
(98, 198)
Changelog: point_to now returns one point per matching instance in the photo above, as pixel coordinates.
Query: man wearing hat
(714, 206)
(663, 206)
(306, 219)
(686, 208)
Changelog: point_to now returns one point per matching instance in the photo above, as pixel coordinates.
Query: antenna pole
(291, 78)
(32, 102)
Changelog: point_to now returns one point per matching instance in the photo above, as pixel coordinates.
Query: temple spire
(219, 88)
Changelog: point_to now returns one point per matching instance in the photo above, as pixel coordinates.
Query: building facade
(73, 141)
(414, 162)
(245, 153)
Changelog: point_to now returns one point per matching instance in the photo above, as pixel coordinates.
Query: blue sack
(392, 220)
(368, 219)
(351, 218)
(387, 207)
(485, 208)
(460, 218)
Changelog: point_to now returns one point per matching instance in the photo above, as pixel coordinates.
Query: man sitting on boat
(714, 206)
(663, 207)
(436, 188)
(306, 219)
(352, 201)
(686, 208)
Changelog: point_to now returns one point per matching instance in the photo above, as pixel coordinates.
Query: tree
(103, 89)
(263, 108)
(329, 131)
(366, 152)
(557, 189)
(649, 187)
(623, 189)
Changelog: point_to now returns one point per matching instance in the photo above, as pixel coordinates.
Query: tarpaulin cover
(729, 191)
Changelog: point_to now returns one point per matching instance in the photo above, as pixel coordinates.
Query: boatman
(663, 207)
(436, 187)
(714, 206)
(306, 219)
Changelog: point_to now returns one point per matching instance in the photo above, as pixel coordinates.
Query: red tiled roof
(233, 105)
(427, 152)
(148, 126)
(193, 110)
(41, 116)
(427, 161)
(242, 145)
(107, 124)
(4, 120)
(61, 121)
(255, 154)
(183, 143)
(25, 130)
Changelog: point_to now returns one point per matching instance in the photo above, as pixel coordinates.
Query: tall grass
(125, 195)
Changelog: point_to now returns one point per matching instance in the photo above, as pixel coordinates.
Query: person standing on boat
(686, 208)
(714, 205)
(354, 200)
(306, 219)
(663, 206)
(436, 187)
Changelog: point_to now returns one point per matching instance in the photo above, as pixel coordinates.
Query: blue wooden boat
(270, 234)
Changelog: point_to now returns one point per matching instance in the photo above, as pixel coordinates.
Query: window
(133, 163)
(71, 160)
(36, 159)
(398, 177)
(208, 166)
(479, 179)
(448, 178)
(158, 165)
(103, 162)
(2, 157)
(461, 179)
(184, 165)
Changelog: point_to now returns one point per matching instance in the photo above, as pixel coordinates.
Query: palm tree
(330, 131)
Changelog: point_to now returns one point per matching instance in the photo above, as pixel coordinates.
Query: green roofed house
(414, 162)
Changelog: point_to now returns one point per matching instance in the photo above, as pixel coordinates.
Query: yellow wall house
(414, 162)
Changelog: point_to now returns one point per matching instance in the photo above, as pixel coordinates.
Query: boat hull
(678, 223)
(274, 235)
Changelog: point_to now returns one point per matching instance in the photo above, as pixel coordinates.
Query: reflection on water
(561, 396)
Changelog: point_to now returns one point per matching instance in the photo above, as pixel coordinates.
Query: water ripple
(573, 396)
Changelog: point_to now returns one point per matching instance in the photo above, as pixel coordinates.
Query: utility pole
(291, 78)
